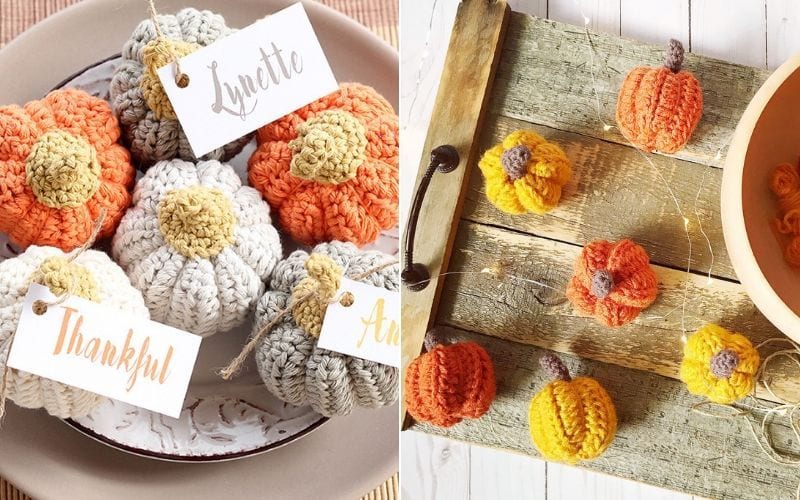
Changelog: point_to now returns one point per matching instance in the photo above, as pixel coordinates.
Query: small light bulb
(684, 338)
(606, 127)
(709, 281)
(586, 21)
(686, 223)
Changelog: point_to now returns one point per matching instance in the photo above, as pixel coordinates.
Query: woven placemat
(378, 15)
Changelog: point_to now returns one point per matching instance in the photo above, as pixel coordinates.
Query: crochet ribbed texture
(571, 419)
(525, 173)
(60, 166)
(719, 364)
(93, 276)
(148, 120)
(612, 282)
(330, 169)
(450, 383)
(659, 108)
(292, 366)
(198, 245)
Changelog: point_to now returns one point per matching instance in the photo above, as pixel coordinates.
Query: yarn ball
(148, 120)
(658, 108)
(291, 364)
(525, 173)
(571, 419)
(92, 276)
(785, 184)
(719, 364)
(330, 168)
(198, 245)
(612, 281)
(60, 166)
(450, 383)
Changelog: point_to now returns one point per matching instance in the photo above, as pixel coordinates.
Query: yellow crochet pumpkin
(571, 419)
(719, 364)
(525, 173)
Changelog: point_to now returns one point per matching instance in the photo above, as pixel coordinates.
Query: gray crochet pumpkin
(148, 121)
(289, 361)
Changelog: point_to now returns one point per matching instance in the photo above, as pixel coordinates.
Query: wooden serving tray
(506, 71)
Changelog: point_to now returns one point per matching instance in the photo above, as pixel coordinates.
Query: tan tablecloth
(378, 15)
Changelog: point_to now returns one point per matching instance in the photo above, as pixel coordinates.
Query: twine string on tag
(40, 306)
(345, 298)
(181, 78)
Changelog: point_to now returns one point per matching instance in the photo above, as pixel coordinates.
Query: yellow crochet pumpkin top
(719, 364)
(525, 173)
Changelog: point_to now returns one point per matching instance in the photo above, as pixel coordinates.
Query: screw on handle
(415, 276)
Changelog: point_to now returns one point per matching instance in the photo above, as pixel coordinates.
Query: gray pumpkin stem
(554, 367)
(674, 59)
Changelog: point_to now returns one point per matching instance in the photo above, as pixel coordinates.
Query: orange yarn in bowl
(330, 169)
(60, 166)
(450, 383)
(658, 108)
(613, 282)
(785, 184)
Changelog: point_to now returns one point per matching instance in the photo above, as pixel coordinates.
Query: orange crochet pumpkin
(60, 165)
(330, 169)
(449, 383)
(613, 282)
(659, 108)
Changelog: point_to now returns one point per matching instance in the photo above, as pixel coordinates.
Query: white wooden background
(761, 33)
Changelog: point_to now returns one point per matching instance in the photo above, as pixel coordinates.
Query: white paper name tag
(368, 329)
(248, 79)
(105, 351)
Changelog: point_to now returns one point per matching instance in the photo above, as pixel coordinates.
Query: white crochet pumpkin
(93, 276)
(198, 245)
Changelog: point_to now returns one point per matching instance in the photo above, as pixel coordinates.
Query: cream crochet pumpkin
(198, 245)
(93, 276)
(291, 364)
(151, 129)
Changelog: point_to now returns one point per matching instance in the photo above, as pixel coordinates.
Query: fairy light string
(679, 208)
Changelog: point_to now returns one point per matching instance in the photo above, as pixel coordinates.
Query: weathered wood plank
(614, 193)
(659, 440)
(603, 15)
(457, 118)
(545, 78)
(652, 342)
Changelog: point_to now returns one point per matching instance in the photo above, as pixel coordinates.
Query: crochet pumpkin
(92, 276)
(330, 169)
(658, 108)
(612, 281)
(571, 419)
(449, 383)
(60, 166)
(198, 245)
(719, 365)
(291, 364)
(525, 173)
(151, 128)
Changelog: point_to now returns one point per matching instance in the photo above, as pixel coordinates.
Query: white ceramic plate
(347, 457)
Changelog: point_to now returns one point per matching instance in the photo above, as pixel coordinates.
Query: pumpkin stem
(674, 59)
(724, 363)
(430, 340)
(554, 367)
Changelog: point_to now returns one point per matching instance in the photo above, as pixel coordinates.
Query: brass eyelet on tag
(182, 80)
(39, 307)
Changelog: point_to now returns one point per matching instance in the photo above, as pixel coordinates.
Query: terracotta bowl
(768, 134)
